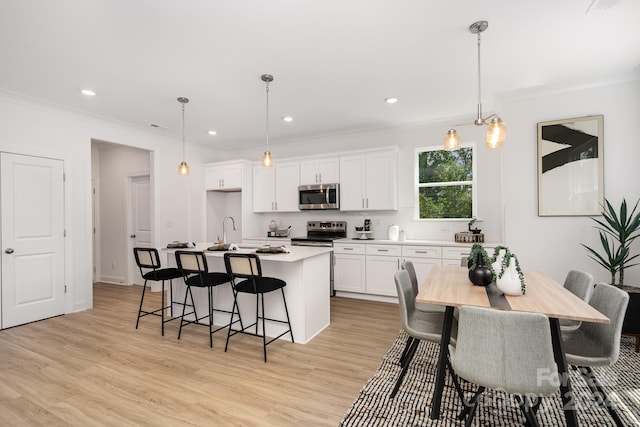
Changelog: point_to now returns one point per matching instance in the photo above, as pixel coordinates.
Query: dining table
(450, 286)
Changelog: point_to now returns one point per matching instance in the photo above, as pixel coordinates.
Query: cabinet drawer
(455, 253)
(422, 251)
(341, 248)
(385, 250)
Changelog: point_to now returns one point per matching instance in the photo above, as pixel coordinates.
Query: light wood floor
(94, 368)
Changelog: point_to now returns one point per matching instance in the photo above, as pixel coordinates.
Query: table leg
(442, 363)
(566, 393)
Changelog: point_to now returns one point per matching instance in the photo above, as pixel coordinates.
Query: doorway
(114, 168)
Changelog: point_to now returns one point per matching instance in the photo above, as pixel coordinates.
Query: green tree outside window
(445, 183)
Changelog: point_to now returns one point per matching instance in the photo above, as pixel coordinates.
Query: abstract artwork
(570, 167)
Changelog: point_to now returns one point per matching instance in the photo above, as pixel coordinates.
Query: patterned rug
(411, 406)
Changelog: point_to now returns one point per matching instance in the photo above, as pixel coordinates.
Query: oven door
(319, 197)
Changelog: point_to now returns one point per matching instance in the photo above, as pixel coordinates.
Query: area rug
(411, 406)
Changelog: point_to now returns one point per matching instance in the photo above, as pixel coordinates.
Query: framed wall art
(570, 167)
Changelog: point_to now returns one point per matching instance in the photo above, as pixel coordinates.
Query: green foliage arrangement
(505, 264)
(478, 249)
(617, 231)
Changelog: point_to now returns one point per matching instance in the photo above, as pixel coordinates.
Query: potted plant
(617, 230)
(509, 277)
(480, 271)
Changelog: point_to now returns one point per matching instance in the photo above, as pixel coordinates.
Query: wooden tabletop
(450, 286)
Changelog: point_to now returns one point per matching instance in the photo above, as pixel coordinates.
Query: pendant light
(267, 160)
(183, 167)
(496, 129)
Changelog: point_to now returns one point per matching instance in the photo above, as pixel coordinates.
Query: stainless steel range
(323, 233)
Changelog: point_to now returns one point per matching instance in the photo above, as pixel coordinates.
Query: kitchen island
(306, 271)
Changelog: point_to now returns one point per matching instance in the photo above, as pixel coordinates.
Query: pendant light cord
(183, 147)
(267, 117)
(479, 119)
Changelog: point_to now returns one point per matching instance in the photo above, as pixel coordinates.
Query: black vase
(481, 275)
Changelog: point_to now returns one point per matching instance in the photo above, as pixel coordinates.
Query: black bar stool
(148, 259)
(193, 265)
(247, 267)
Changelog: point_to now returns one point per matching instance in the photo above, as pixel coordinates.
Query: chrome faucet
(224, 228)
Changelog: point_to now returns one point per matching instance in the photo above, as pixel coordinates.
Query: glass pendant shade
(183, 168)
(496, 133)
(452, 140)
(267, 160)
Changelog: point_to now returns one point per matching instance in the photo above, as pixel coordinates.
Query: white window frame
(417, 185)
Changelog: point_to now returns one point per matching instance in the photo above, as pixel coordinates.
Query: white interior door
(32, 209)
(140, 233)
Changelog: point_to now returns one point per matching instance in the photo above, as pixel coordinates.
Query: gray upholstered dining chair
(408, 265)
(580, 283)
(505, 350)
(418, 325)
(598, 344)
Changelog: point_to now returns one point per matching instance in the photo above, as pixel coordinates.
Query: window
(445, 183)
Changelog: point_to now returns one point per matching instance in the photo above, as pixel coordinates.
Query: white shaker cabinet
(223, 176)
(423, 259)
(368, 181)
(275, 189)
(320, 171)
(349, 267)
(383, 261)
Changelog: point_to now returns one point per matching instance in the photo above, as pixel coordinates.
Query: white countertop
(296, 253)
(411, 242)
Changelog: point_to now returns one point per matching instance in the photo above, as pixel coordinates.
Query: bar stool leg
(264, 331)
(163, 308)
(144, 287)
(210, 289)
(286, 311)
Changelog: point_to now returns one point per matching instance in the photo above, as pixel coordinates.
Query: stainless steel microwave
(319, 196)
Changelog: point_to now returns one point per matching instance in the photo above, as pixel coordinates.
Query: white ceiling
(334, 61)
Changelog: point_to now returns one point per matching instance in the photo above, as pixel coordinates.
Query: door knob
(133, 236)
(8, 251)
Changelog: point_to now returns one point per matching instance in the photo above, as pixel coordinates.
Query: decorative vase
(497, 265)
(509, 283)
(481, 275)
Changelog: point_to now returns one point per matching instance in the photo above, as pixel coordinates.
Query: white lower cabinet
(369, 268)
(423, 259)
(349, 267)
(383, 261)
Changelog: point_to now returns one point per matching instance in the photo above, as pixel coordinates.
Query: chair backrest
(147, 258)
(242, 265)
(408, 265)
(612, 302)
(506, 350)
(580, 283)
(191, 262)
(406, 297)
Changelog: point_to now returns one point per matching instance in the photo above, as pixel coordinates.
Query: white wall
(552, 244)
(34, 128)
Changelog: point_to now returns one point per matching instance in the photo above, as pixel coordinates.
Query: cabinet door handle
(421, 252)
(272, 206)
(363, 203)
(276, 205)
(383, 250)
(8, 251)
(222, 182)
(319, 177)
(348, 249)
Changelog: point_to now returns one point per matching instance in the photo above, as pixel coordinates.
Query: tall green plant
(617, 231)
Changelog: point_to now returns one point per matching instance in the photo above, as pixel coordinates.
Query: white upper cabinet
(223, 176)
(320, 171)
(368, 181)
(276, 188)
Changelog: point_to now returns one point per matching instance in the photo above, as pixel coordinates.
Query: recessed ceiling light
(391, 100)
(287, 119)
(212, 132)
(88, 92)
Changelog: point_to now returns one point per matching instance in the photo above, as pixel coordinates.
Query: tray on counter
(271, 250)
